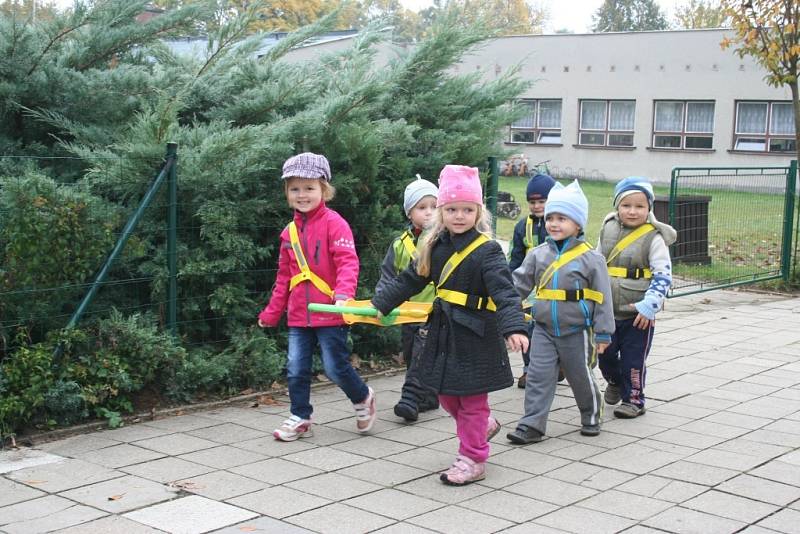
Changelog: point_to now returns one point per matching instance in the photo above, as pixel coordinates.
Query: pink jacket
(330, 251)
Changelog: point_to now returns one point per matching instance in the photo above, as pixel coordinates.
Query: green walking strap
(571, 295)
(626, 272)
(305, 273)
(457, 297)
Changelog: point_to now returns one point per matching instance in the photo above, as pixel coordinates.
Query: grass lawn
(744, 231)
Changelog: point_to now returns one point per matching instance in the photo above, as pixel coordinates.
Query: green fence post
(172, 240)
(491, 191)
(788, 221)
(673, 193)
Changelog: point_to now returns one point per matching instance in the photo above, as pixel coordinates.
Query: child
(317, 263)
(635, 245)
(464, 357)
(419, 204)
(528, 233)
(573, 314)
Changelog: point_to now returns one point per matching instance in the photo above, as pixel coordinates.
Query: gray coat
(586, 271)
(465, 352)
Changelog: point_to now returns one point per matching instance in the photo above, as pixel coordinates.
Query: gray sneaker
(612, 394)
(627, 410)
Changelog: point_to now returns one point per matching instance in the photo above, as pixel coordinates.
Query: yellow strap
(561, 261)
(626, 241)
(529, 234)
(561, 294)
(305, 272)
(408, 244)
(457, 297)
(458, 257)
(622, 272)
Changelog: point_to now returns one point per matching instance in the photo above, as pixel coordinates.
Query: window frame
(684, 132)
(606, 131)
(767, 136)
(537, 130)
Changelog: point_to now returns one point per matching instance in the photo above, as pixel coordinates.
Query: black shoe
(524, 435)
(522, 381)
(425, 406)
(561, 376)
(590, 430)
(407, 411)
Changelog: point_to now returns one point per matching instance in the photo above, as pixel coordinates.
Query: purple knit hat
(307, 165)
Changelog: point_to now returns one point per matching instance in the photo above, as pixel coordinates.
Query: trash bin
(691, 223)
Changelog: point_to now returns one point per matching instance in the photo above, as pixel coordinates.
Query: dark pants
(623, 362)
(414, 392)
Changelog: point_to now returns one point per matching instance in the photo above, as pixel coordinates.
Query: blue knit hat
(633, 184)
(569, 201)
(539, 186)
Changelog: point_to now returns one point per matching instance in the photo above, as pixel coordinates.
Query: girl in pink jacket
(317, 263)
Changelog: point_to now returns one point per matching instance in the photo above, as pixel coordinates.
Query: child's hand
(517, 342)
(601, 347)
(641, 322)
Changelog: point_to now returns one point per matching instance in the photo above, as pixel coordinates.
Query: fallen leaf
(187, 485)
(247, 391)
(248, 528)
(116, 497)
(34, 482)
(355, 361)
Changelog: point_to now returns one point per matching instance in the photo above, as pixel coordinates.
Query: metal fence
(735, 225)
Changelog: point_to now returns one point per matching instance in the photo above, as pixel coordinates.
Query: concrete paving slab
(190, 515)
(575, 519)
(761, 489)
(674, 491)
(119, 455)
(275, 471)
(12, 492)
(229, 433)
(509, 506)
(779, 472)
(730, 506)
(279, 502)
(269, 446)
(551, 490)
(220, 485)
(787, 521)
(373, 447)
(175, 444)
(112, 524)
(454, 519)
(263, 524)
(121, 494)
(685, 521)
(395, 504)
(75, 445)
(54, 520)
(333, 486)
(63, 475)
(223, 457)
(326, 458)
(33, 509)
(431, 488)
(624, 504)
(385, 473)
(167, 469)
(24, 458)
(182, 423)
(339, 518)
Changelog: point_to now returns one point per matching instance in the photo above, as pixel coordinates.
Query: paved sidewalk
(718, 451)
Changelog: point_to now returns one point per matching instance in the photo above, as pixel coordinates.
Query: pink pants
(471, 413)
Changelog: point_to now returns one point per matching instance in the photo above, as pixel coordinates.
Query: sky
(575, 15)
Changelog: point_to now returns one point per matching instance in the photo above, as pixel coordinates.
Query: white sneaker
(366, 413)
(293, 428)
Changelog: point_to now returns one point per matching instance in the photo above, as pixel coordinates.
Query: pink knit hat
(459, 183)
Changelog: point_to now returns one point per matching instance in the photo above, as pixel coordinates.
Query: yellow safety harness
(457, 297)
(529, 234)
(408, 243)
(305, 273)
(570, 295)
(626, 272)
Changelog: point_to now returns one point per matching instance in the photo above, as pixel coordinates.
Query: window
(541, 123)
(683, 125)
(607, 123)
(764, 127)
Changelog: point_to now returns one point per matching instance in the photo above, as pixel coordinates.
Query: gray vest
(626, 291)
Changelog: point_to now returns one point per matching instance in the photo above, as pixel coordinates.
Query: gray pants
(575, 354)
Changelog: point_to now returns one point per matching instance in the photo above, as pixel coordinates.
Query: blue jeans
(335, 359)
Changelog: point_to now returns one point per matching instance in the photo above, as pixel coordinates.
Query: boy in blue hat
(528, 233)
(635, 245)
(573, 313)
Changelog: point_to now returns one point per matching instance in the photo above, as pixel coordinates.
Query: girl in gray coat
(573, 313)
